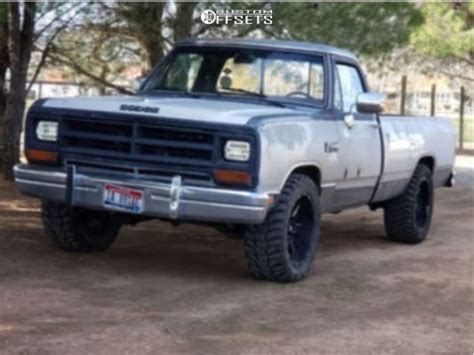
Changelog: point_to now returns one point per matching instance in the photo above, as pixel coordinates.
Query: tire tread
(399, 216)
(263, 243)
(63, 230)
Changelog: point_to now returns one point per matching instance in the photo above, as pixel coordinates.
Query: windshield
(228, 72)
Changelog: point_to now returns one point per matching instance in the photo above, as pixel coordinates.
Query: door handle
(374, 125)
(349, 120)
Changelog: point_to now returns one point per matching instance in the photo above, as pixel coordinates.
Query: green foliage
(144, 22)
(153, 28)
(448, 32)
(366, 28)
(3, 13)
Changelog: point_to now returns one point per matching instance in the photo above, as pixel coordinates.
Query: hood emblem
(135, 108)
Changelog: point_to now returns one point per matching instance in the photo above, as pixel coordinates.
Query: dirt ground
(164, 290)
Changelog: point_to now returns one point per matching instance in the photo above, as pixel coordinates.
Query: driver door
(360, 143)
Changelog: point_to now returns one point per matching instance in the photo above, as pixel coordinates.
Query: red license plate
(123, 198)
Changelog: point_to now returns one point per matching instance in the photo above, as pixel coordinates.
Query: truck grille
(139, 148)
(137, 141)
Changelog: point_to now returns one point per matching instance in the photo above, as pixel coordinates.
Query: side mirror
(370, 102)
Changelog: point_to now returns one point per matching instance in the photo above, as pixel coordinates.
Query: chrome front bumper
(173, 201)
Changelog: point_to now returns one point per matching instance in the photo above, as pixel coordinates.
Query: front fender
(287, 145)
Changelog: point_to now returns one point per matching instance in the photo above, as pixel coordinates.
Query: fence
(431, 101)
(44, 88)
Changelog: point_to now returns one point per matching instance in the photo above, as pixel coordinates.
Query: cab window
(239, 75)
(182, 72)
(349, 84)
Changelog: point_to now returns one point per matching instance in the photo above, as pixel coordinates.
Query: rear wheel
(408, 216)
(283, 247)
(77, 229)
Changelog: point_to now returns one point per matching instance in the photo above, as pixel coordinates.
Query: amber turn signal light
(232, 177)
(41, 156)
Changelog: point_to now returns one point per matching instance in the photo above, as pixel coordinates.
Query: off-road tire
(267, 246)
(407, 219)
(79, 230)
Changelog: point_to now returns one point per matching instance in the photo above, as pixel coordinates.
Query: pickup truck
(255, 137)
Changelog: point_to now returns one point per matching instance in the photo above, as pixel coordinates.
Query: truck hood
(180, 108)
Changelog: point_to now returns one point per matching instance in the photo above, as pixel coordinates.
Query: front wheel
(77, 229)
(408, 216)
(283, 247)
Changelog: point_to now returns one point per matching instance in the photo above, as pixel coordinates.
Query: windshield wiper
(260, 97)
(243, 91)
(254, 95)
(266, 100)
(176, 92)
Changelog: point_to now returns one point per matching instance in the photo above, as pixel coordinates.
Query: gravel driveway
(162, 289)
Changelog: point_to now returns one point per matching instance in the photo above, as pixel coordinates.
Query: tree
(18, 42)
(366, 28)
(4, 64)
(147, 30)
(447, 38)
(448, 31)
(93, 58)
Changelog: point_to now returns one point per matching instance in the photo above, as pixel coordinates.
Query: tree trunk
(13, 126)
(20, 44)
(3, 104)
(4, 62)
(151, 37)
(183, 21)
(144, 22)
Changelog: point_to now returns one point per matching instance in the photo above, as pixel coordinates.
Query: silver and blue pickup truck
(252, 136)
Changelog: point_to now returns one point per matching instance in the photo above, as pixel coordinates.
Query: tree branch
(79, 69)
(53, 21)
(45, 53)
(456, 76)
(462, 59)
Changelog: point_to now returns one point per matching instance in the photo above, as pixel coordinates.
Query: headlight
(47, 131)
(237, 150)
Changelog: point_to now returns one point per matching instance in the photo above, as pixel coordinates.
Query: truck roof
(268, 44)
